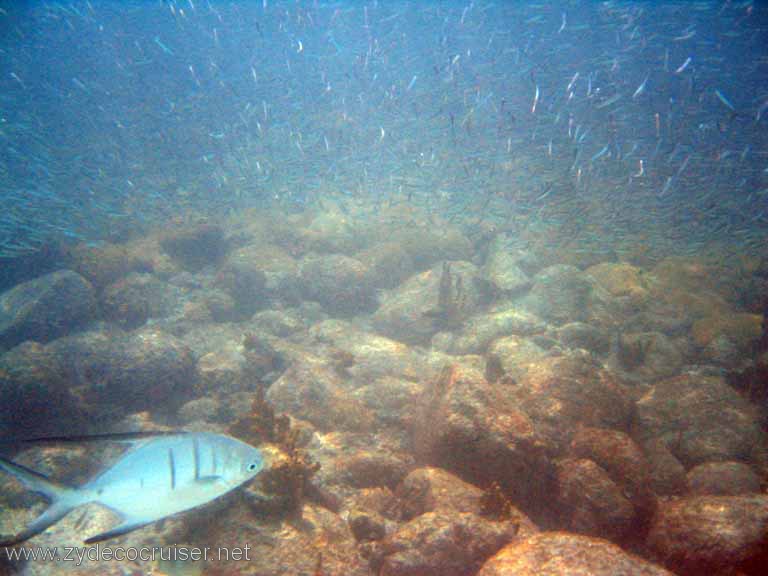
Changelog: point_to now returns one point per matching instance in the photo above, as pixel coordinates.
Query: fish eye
(251, 466)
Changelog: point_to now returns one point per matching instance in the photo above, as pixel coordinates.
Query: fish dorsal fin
(123, 528)
(108, 437)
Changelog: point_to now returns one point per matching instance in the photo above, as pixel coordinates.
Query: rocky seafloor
(432, 399)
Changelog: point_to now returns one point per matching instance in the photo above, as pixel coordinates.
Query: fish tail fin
(63, 500)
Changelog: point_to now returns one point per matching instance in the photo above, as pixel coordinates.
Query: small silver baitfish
(160, 475)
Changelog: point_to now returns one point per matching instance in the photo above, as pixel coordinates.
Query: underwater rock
(700, 419)
(743, 329)
(367, 526)
(428, 489)
(35, 393)
(433, 489)
(373, 356)
(477, 430)
(131, 301)
(709, 533)
(104, 265)
(687, 274)
(212, 305)
(381, 374)
(563, 554)
(369, 513)
(338, 282)
(259, 272)
(435, 300)
(224, 369)
(343, 476)
(562, 394)
(127, 372)
(244, 277)
(45, 308)
(514, 355)
(685, 288)
(623, 281)
(320, 543)
(489, 432)
(591, 503)
(387, 265)
(366, 469)
(659, 316)
(723, 479)
(198, 410)
(379, 500)
(616, 453)
(443, 543)
(584, 336)
(280, 323)
(390, 399)
(727, 339)
(481, 330)
(313, 391)
(560, 294)
(428, 245)
(647, 357)
(332, 231)
(196, 246)
(502, 271)
(605, 484)
(667, 474)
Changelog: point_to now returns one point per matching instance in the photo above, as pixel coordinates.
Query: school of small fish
(603, 121)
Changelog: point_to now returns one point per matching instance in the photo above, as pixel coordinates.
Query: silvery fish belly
(154, 479)
(172, 474)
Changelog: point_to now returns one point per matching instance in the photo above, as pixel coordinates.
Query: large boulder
(439, 299)
(255, 273)
(443, 543)
(700, 418)
(340, 283)
(479, 332)
(387, 265)
(605, 484)
(562, 554)
(136, 298)
(430, 489)
(706, 534)
(312, 390)
(120, 373)
(508, 432)
(477, 430)
(195, 247)
(35, 394)
(45, 308)
(561, 294)
(502, 270)
(647, 356)
(592, 502)
(723, 479)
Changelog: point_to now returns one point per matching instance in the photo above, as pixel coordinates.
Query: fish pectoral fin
(208, 479)
(122, 528)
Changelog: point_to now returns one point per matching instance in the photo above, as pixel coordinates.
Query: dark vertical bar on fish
(196, 456)
(172, 468)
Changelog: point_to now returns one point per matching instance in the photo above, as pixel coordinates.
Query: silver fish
(157, 477)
